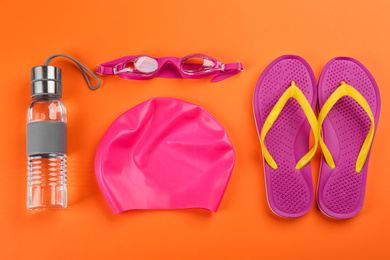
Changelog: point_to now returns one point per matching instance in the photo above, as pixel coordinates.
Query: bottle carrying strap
(83, 69)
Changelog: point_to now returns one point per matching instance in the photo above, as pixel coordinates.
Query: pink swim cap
(164, 153)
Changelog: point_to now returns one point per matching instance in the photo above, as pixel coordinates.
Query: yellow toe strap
(292, 92)
(346, 90)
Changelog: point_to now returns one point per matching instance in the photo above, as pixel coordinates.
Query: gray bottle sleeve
(46, 137)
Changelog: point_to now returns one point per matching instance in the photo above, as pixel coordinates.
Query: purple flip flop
(346, 130)
(289, 190)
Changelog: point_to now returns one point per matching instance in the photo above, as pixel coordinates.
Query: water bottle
(46, 136)
(46, 141)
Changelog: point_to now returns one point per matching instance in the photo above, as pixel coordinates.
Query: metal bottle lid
(46, 80)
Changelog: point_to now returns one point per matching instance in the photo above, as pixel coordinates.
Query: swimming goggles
(194, 66)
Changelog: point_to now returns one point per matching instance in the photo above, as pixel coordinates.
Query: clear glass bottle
(46, 141)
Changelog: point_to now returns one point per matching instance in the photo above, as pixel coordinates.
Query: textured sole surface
(341, 191)
(289, 191)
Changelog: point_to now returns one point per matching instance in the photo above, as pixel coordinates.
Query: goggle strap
(104, 70)
(234, 66)
(230, 70)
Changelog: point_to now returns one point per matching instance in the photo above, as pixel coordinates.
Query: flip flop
(349, 101)
(283, 103)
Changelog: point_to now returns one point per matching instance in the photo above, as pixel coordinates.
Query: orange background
(253, 32)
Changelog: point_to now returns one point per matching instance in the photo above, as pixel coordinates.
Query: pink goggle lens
(143, 64)
(194, 64)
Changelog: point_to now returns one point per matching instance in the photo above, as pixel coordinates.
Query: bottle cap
(46, 80)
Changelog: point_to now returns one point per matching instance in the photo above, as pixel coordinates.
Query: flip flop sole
(289, 191)
(341, 191)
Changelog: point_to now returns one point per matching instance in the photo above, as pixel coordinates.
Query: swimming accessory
(193, 66)
(349, 103)
(164, 153)
(283, 103)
